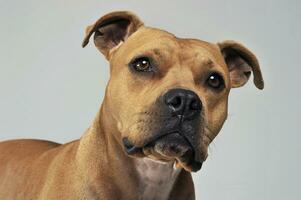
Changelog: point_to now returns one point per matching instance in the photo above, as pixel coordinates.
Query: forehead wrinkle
(191, 57)
(211, 51)
(204, 60)
(194, 50)
(199, 59)
(159, 55)
(208, 58)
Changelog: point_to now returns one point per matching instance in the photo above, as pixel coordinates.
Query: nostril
(195, 105)
(176, 102)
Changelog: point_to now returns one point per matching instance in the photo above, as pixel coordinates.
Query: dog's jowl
(165, 102)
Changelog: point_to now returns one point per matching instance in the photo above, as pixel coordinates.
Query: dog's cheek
(143, 129)
(120, 98)
(215, 114)
(117, 105)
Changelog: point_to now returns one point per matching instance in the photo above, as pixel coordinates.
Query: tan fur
(96, 166)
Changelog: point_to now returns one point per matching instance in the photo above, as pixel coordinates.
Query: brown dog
(166, 100)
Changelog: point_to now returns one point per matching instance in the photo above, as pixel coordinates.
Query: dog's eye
(141, 64)
(215, 81)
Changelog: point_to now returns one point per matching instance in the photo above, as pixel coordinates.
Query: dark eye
(142, 64)
(215, 81)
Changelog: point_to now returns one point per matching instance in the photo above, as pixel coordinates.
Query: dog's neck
(156, 179)
(149, 179)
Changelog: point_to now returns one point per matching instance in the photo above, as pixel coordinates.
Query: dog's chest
(156, 179)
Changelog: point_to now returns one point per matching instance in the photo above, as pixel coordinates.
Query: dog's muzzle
(179, 137)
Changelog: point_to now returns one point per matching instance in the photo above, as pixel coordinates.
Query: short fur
(96, 166)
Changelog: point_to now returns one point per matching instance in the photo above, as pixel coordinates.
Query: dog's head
(168, 95)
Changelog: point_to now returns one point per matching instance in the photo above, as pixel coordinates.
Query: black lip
(132, 149)
(169, 133)
(193, 164)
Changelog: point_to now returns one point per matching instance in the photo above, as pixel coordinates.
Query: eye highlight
(141, 64)
(215, 81)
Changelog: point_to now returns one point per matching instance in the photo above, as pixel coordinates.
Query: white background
(51, 88)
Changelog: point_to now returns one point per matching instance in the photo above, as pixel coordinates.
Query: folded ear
(112, 29)
(241, 62)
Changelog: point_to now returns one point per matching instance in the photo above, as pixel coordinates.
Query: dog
(165, 102)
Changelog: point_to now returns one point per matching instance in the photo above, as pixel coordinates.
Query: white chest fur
(156, 179)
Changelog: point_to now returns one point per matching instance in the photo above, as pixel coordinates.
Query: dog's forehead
(166, 46)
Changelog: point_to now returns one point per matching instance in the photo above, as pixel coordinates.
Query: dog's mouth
(172, 147)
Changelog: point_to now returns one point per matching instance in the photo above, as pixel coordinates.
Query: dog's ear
(241, 62)
(112, 29)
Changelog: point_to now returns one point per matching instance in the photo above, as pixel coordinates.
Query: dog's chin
(173, 148)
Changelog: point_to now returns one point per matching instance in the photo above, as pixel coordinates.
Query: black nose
(183, 102)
